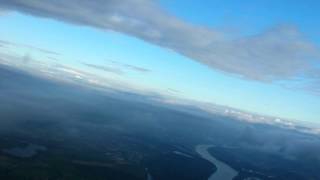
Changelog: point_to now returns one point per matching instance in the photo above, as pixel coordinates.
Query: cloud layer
(279, 53)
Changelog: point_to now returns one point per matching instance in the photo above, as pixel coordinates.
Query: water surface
(224, 171)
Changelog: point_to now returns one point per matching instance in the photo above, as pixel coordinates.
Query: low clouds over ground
(279, 53)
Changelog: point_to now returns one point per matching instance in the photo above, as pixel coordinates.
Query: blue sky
(180, 67)
(250, 16)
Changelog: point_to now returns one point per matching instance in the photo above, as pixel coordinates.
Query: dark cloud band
(280, 53)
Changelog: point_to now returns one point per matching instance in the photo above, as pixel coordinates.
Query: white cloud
(280, 53)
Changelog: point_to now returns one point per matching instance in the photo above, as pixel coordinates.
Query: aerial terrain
(56, 130)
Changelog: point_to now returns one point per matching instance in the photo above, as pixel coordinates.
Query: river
(224, 171)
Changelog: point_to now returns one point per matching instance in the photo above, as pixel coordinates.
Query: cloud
(137, 68)
(17, 60)
(131, 67)
(280, 53)
(53, 58)
(3, 11)
(45, 51)
(26, 58)
(119, 68)
(104, 68)
(5, 43)
(174, 91)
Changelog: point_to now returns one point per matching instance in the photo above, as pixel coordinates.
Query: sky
(258, 56)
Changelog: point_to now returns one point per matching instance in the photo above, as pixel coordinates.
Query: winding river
(223, 170)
